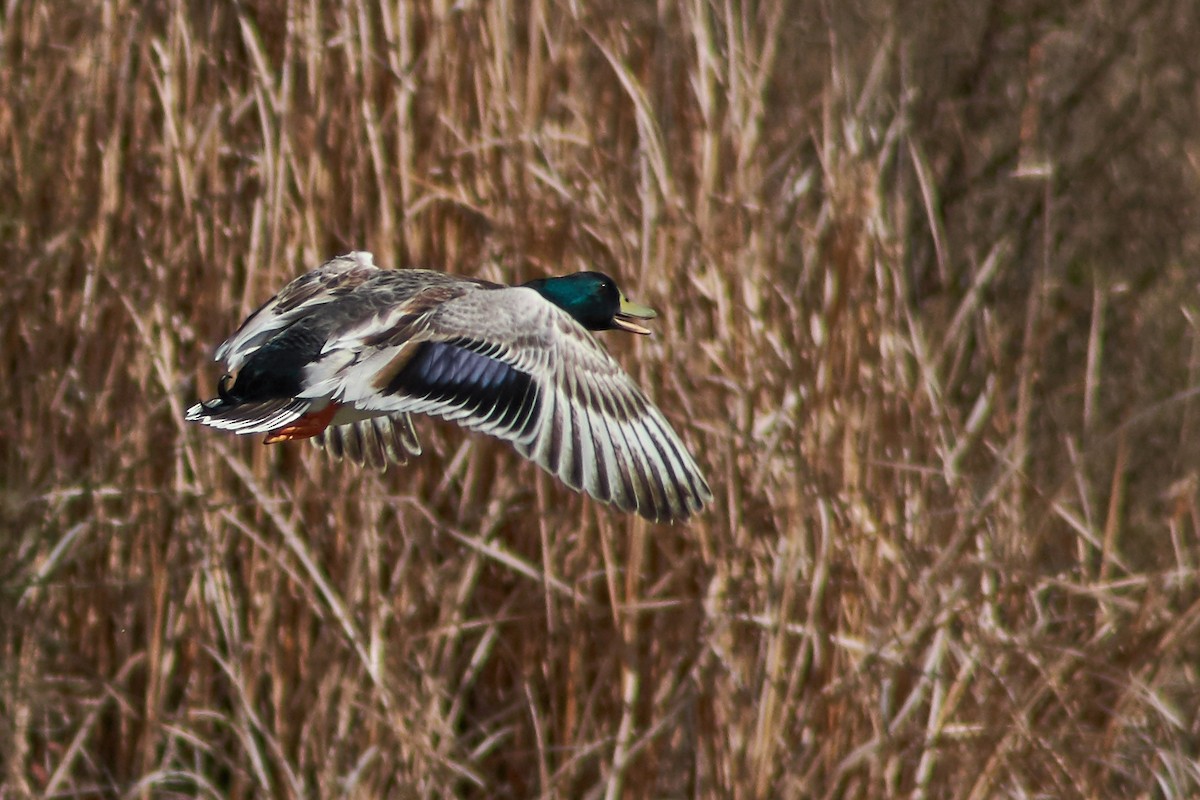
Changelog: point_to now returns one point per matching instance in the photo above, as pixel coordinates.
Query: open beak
(624, 319)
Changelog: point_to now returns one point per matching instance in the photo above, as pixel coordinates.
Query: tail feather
(246, 418)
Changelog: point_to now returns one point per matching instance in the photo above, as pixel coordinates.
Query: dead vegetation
(930, 323)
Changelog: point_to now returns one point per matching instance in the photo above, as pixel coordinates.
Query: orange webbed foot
(306, 427)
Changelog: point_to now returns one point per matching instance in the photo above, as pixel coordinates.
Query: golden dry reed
(929, 319)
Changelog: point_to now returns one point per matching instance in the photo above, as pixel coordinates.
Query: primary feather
(360, 349)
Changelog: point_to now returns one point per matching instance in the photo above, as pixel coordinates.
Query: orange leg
(306, 427)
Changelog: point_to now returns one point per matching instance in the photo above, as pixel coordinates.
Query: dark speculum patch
(465, 374)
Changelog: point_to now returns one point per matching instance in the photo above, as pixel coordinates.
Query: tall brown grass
(930, 322)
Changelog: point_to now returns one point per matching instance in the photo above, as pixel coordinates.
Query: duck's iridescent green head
(594, 300)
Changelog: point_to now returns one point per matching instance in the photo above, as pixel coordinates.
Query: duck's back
(345, 292)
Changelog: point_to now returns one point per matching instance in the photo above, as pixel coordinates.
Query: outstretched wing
(529, 374)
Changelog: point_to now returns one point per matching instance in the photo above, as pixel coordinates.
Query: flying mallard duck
(347, 352)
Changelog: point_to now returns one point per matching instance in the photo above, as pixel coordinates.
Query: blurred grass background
(927, 275)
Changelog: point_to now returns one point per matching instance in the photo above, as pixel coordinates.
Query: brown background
(927, 275)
